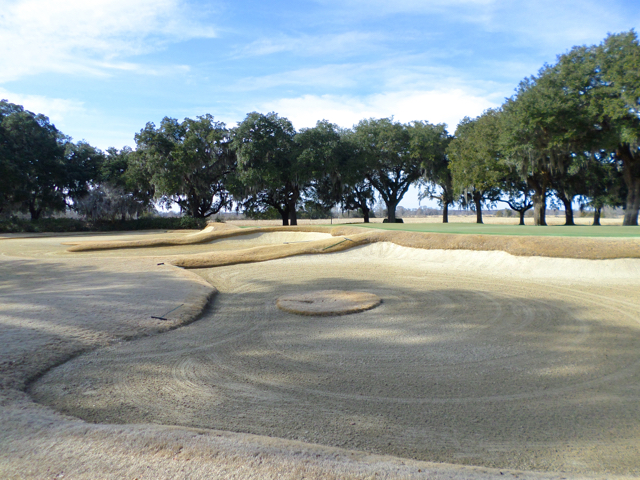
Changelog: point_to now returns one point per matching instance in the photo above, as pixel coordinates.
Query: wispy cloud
(436, 106)
(325, 76)
(384, 7)
(343, 44)
(562, 24)
(88, 38)
(543, 23)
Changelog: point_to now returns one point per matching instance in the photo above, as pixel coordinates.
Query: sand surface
(477, 358)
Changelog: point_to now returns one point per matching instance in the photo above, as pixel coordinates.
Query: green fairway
(484, 229)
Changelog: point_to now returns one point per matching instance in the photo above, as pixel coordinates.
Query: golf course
(416, 350)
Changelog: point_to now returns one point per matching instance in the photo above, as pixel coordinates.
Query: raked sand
(476, 358)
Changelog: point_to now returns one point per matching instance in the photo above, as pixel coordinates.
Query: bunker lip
(590, 248)
(328, 302)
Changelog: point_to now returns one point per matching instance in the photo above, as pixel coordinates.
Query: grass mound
(328, 302)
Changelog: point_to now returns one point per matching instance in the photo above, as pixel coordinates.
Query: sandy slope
(481, 358)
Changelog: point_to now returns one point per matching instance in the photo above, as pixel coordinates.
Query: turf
(525, 230)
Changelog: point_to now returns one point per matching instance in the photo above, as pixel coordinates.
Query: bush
(57, 225)
(269, 214)
(16, 225)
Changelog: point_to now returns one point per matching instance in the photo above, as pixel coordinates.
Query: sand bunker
(473, 357)
(461, 363)
(328, 302)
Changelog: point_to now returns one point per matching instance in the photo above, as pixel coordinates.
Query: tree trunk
(631, 175)
(445, 213)
(284, 214)
(568, 209)
(35, 212)
(365, 214)
(633, 203)
(596, 215)
(539, 202)
(522, 212)
(477, 200)
(292, 213)
(539, 210)
(391, 211)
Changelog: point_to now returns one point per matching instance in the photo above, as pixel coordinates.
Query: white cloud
(57, 109)
(88, 37)
(434, 106)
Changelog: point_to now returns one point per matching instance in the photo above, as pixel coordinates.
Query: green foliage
(314, 210)
(583, 108)
(475, 160)
(269, 213)
(58, 225)
(189, 163)
(339, 168)
(41, 170)
(33, 156)
(125, 172)
(385, 147)
(474, 154)
(83, 165)
(428, 147)
(270, 173)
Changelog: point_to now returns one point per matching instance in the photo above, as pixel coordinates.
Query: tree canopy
(188, 162)
(270, 173)
(391, 169)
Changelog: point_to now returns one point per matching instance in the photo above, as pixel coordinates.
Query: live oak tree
(269, 172)
(618, 109)
(536, 135)
(189, 163)
(391, 169)
(124, 187)
(83, 164)
(587, 103)
(475, 159)
(339, 168)
(32, 155)
(428, 147)
(603, 184)
(8, 167)
(517, 194)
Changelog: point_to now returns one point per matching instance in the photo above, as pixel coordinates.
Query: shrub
(56, 225)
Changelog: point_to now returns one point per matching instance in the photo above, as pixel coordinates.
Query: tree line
(571, 132)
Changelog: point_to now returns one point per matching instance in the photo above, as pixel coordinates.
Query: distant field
(552, 220)
(465, 224)
(494, 229)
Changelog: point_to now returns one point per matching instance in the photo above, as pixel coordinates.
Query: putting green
(524, 230)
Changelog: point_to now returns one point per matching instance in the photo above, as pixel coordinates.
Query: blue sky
(102, 69)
